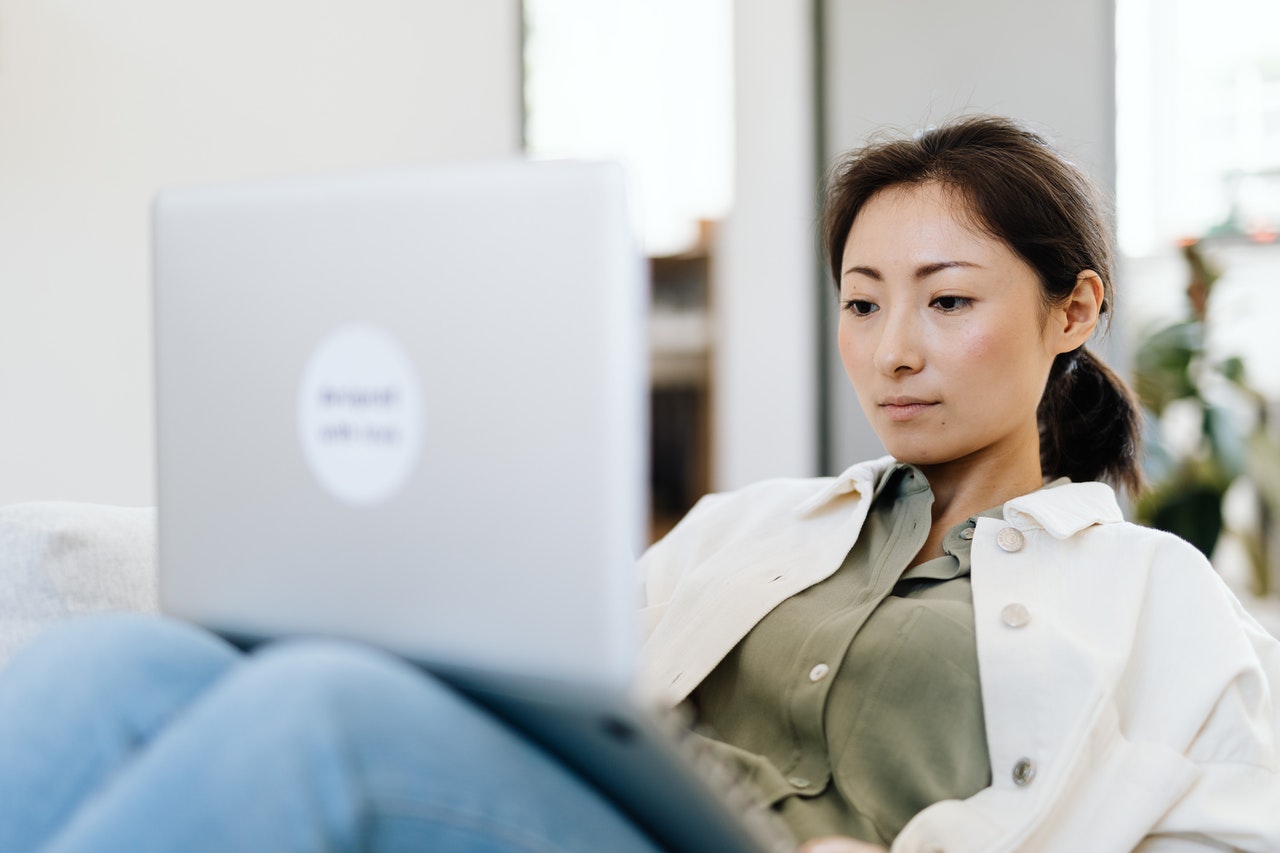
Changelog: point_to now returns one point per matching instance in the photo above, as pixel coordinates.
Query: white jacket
(1130, 702)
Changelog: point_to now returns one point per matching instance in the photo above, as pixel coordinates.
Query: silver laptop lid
(406, 408)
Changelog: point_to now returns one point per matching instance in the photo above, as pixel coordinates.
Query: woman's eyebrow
(869, 272)
(926, 270)
(922, 271)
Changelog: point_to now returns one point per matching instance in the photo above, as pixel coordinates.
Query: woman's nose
(898, 349)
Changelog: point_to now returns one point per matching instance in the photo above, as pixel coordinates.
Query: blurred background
(727, 114)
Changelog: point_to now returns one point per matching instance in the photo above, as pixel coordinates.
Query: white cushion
(60, 559)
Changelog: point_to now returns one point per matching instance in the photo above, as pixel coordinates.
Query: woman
(999, 661)
(958, 647)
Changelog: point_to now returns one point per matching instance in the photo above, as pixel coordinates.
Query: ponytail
(1090, 426)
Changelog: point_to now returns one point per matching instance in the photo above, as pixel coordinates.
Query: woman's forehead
(928, 217)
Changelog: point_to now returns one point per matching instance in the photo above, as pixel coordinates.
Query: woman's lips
(905, 408)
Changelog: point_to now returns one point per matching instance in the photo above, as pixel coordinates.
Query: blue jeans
(133, 733)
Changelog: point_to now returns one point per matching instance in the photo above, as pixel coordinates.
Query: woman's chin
(914, 454)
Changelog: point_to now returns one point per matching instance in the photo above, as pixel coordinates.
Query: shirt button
(799, 782)
(1023, 772)
(1009, 539)
(819, 672)
(1015, 615)
(967, 533)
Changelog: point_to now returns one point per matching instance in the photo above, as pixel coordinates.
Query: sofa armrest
(59, 559)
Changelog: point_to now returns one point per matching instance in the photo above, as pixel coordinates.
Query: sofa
(59, 559)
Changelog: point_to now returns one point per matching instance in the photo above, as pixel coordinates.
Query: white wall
(101, 103)
(908, 65)
(765, 394)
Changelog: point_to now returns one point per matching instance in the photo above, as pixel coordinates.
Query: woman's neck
(965, 487)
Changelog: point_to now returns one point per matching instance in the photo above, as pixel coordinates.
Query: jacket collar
(1062, 511)
(1065, 510)
(860, 478)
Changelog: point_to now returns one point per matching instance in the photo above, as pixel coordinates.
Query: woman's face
(942, 332)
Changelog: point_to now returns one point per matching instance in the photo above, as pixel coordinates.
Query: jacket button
(967, 533)
(1010, 539)
(1023, 772)
(819, 672)
(799, 782)
(1015, 615)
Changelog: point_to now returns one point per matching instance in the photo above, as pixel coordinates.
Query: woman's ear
(1076, 318)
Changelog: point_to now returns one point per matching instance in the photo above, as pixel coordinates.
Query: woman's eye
(952, 303)
(860, 307)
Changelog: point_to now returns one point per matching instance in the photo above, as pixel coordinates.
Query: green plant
(1177, 381)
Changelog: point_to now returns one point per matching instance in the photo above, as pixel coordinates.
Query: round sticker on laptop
(360, 414)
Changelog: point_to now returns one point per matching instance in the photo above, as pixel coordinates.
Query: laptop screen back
(406, 408)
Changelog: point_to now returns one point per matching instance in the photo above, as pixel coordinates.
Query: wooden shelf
(681, 350)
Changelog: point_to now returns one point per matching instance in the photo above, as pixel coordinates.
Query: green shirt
(856, 703)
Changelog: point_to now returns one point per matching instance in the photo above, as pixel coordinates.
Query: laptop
(408, 409)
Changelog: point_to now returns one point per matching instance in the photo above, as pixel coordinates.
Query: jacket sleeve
(1235, 801)
(1203, 680)
(664, 563)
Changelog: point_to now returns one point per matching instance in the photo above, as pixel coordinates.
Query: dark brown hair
(1025, 193)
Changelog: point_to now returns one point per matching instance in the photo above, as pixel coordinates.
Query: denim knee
(421, 765)
(118, 652)
(319, 697)
(319, 677)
